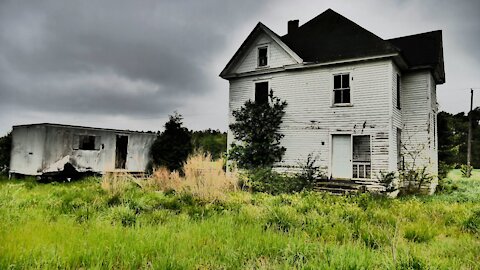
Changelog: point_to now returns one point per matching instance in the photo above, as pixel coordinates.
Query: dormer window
(262, 56)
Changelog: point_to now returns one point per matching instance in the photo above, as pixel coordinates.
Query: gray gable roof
(331, 37)
(423, 50)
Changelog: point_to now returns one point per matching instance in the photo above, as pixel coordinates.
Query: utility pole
(469, 143)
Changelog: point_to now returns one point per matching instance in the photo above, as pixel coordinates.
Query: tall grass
(125, 225)
(203, 178)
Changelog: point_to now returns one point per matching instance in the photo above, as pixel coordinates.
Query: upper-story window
(341, 88)
(263, 56)
(261, 93)
(398, 91)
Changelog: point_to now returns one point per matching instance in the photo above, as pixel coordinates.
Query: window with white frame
(361, 157)
(341, 88)
(263, 56)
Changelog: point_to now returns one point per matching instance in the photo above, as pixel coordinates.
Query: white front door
(341, 156)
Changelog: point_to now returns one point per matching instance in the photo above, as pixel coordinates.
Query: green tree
(452, 138)
(172, 147)
(210, 141)
(447, 150)
(5, 149)
(256, 131)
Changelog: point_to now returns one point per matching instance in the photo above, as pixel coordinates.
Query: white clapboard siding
(311, 119)
(396, 117)
(277, 57)
(418, 119)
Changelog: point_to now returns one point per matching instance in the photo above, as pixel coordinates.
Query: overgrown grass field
(82, 225)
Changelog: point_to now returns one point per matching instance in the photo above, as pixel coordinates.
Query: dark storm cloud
(128, 64)
(113, 57)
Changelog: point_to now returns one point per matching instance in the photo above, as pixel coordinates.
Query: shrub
(412, 181)
(268, 181)
(309, 174)
(256, 131)
(446, 185)
(173, 146)
(444, 169)
(466, 170)
(387, 179)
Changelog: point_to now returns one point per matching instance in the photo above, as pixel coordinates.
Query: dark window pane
(336, 82)
(346, 96)
(338, 96)
(262, 57)
(345, 81)
(261, 93)
(86, 142)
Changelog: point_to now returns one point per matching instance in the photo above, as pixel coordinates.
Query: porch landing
(337, 186)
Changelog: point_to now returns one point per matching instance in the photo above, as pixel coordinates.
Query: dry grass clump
(203, 178)
(116, 182)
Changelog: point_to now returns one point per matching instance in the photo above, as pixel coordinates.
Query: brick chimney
(292, 26)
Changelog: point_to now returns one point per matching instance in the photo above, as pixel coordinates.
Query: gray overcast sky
(128, 64)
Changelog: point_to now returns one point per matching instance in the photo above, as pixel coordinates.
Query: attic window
(341, 89)
(262, 56)
(86, 142)
(261, 93)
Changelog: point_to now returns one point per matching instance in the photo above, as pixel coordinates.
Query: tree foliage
(452, 138)
(210, 141)
(5, 149)
(256, 131)
(172, 147)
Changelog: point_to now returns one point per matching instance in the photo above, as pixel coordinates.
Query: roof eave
(246, 43)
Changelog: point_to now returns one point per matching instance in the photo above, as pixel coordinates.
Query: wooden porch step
(335, 191)
(336, 186)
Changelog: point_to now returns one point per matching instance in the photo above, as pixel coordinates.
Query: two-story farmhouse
(360, 103)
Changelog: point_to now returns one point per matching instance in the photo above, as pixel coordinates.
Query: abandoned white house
(360, 103)
(49, 149)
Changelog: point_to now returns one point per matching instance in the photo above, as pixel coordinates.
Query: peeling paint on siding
(47, 148)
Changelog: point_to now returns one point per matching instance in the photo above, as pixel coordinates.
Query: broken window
(121, 151)
(398, 91)
(261, 93)
(86, 142)
(341, 88)
(361, 164)
(262, 56)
